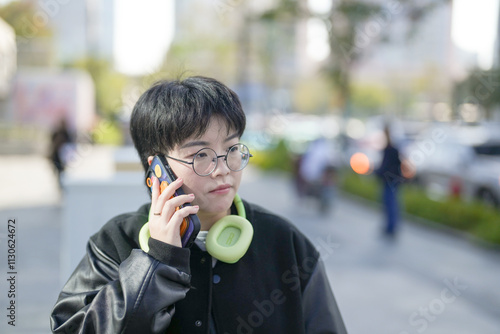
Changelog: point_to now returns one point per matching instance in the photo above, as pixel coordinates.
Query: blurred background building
(84, 27)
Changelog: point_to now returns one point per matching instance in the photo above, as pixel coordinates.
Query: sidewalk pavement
(425, 281)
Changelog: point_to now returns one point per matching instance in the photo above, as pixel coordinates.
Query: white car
(451, 164)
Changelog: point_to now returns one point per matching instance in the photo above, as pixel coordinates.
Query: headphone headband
(240, 208)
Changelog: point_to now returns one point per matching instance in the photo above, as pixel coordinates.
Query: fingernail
(191, 195)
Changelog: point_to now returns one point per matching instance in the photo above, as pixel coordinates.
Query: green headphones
(227, 240)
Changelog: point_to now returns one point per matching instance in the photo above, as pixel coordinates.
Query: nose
(221, 168)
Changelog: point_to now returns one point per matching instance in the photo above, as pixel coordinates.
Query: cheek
(237, 179)
(184, 172)
(195, 185)
(190, 178)
(190, 184)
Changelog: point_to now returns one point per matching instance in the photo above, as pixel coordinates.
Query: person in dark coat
(389, 173)
(59, 137)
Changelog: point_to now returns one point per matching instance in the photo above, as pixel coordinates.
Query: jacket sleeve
(320, 309)
(136, 296)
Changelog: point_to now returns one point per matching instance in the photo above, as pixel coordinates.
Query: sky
(143, 32)
(474, 28)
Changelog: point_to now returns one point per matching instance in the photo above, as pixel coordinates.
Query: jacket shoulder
(262, 217)
(120, 234)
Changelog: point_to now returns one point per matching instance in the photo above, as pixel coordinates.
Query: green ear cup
(229, 238)
(144, 236)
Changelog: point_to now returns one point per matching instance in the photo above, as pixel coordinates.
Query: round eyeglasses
(205, 160)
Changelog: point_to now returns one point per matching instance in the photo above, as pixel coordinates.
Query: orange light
(360, 163)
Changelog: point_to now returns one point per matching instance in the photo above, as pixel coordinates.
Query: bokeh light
(355, 128)
(360, 163)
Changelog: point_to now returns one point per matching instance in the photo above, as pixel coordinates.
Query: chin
(221, 203)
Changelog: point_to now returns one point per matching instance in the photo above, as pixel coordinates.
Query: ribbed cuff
(170, 255)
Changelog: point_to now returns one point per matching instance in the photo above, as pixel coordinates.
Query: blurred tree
(352, 25)
(370, 99)
(34, 37)
(20, 15)
(479, 88)
(312, 95)
(109, 85)
(196, 56)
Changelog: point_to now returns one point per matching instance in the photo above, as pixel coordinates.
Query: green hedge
(276, 158)
(475, 218)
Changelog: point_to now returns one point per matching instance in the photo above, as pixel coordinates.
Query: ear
(150, 159)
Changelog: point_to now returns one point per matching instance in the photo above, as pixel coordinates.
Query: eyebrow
(205, 143)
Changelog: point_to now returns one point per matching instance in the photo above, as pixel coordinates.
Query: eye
(233, 149)
(201, 155)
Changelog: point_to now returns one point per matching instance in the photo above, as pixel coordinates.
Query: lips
(222, 189)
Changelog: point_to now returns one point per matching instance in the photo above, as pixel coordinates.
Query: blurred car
(458, 164)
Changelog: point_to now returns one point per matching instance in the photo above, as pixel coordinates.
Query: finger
(174, 203)
(170, 232)
(155, 190)
(166, 194)
(178, 201)
(179, 215)
(170, 189)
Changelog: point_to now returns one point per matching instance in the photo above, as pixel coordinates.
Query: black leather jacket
(279, 286)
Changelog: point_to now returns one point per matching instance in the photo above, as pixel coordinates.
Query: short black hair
(169, 112)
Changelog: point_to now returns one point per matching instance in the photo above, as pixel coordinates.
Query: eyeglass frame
(216, 159)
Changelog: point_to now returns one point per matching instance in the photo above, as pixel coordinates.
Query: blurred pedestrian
(389, 173)
(299, 182)
(60, 136)
(316, 172)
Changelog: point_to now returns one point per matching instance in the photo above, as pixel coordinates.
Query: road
(426, 281)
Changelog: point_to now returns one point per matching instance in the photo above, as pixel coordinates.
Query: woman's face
(213, 193)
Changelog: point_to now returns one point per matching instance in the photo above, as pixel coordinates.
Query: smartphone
(160, 168)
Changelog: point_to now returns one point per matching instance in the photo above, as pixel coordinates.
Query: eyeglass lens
(205, 161)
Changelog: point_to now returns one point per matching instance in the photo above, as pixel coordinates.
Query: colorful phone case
(190, 225)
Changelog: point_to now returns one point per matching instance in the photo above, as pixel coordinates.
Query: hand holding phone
(190, 225)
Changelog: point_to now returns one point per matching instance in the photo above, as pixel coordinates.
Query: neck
(208, 219)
